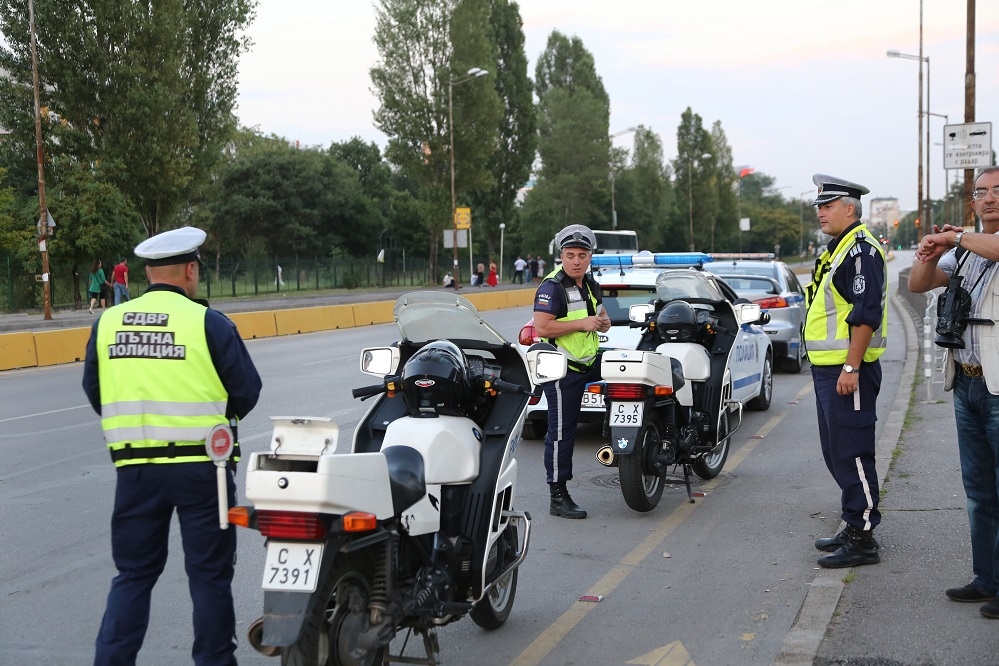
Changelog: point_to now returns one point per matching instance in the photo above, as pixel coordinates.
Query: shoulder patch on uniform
(543, 301)
(859, 285)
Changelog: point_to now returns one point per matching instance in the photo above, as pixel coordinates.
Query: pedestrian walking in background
(846, 331)
(540, 275)
(165, 373)
(96, 281)
(532, 267)
(119, 276)
(519, 265)
(479, 279)
(568, 312)
(492, 279)
(971, 370)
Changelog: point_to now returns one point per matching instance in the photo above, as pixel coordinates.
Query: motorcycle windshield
(424, 316)
(686, 284)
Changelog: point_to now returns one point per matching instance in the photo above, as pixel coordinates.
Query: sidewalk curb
(801, 645)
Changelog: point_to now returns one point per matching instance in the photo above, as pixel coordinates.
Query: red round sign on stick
(219, 443)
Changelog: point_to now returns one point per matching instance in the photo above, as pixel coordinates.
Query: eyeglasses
(979, 193)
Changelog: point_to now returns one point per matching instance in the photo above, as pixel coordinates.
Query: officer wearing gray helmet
(569, 314)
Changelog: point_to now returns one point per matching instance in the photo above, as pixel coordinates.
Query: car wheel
(534, 429)
(761, 403)
(793, 364)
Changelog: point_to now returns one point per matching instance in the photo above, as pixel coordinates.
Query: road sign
(449, 238)
(463, 218)
(967, 146)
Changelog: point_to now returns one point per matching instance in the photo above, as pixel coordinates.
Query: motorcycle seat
(406, 476)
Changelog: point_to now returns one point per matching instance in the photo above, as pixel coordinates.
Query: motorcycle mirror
(638, 312)
(748, 313)
(546, 366)
(379, 361)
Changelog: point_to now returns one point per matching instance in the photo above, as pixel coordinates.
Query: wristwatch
(849, 369)
(957, 238)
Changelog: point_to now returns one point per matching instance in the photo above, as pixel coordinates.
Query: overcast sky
(799, 86)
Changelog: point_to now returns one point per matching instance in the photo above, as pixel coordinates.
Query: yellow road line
(551, 636)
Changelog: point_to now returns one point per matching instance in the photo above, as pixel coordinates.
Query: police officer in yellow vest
(569, 314)
(845, 333)
(162, 371)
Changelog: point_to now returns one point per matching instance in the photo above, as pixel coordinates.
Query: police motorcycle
(675, 400)
(416, 527)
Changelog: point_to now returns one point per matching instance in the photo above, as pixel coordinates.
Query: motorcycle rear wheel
(325, 639)
(642, 491)
(493, 609)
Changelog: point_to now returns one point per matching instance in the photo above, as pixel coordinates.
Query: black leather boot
(860, 548)
(832, 544)
(562, 505)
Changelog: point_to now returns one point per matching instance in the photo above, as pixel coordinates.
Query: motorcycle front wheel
(494, 608)
(641, 489)
(710, 465)
(329, 637)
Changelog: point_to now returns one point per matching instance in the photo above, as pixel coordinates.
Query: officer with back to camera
(569, 314)
(163, 371)
(846, 330)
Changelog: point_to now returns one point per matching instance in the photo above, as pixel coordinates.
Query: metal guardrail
(933, 369)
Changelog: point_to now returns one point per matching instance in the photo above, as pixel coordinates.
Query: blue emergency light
(647, 259)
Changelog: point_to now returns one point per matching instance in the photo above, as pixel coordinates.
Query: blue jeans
(120, 293)
(977, 414)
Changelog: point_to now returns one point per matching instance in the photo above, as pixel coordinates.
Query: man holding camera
(846, 331)
(947, 258)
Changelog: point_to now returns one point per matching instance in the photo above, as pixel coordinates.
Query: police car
(772, 284)
(628, 280)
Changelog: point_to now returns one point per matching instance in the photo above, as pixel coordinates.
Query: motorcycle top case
(641, 367)
(301, 473)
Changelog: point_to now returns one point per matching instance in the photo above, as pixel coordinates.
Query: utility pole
(43, 224)
(921, 203)
(968, 213)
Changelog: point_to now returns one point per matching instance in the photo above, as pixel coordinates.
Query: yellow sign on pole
(463, 218)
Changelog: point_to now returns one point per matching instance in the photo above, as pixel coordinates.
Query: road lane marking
(551, 636)
(54, 411)
(673, 654)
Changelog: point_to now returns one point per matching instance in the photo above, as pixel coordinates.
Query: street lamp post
(451, 83)
(801, 222)
(690, 191)
(924, 204)
(946, 175)
(613, 205)
(502, 227)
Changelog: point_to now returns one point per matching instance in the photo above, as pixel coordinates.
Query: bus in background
(608, 242)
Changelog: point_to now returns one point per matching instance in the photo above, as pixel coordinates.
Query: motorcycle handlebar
(507, 387)
(365, 392)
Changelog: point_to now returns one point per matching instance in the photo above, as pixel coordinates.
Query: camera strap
(962, 255)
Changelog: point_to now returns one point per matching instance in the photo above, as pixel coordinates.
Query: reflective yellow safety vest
(160, 392)
(579, 346)
(827, 335)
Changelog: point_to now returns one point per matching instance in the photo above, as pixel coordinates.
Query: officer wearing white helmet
(164, 371)
(846, 331)
(569, 314)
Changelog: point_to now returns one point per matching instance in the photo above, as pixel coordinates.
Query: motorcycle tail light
(290, 525)
(595, 388)
(358, 521)
(662, 389)
(528, 336)
(626, 391)
(773, 302)
(240, 515)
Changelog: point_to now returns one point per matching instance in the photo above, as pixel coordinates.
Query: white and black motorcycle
(417, 526)
(678, 398)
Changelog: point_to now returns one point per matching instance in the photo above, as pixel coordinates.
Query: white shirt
(520, 264)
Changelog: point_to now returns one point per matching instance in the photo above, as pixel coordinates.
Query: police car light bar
(643, 259)
(769, 256)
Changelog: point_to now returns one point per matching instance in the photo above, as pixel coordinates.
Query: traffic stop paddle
(219, 445)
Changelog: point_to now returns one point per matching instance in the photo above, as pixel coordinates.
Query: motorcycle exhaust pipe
(606, 457)
(255, 634)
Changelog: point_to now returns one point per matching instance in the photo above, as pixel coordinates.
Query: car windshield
(423, 316)
(721, 268)
(618, 300)
(684, 284)
(747, 283)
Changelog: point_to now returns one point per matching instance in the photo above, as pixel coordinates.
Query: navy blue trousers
(145, 498)
(564, 399)
(846, 433)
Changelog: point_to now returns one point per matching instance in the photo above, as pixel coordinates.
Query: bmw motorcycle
(670, 402)
(416, 527)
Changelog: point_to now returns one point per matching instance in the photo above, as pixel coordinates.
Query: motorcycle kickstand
(686, 482)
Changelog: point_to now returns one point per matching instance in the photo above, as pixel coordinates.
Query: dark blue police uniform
(146, 496)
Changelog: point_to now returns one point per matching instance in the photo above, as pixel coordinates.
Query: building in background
(882, 215)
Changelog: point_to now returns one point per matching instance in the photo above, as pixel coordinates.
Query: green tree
(725, 223)
(696, 201)
(643, 192)
(147, 89)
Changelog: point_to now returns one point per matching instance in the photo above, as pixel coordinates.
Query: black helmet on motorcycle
(677, 322)
(435, 380)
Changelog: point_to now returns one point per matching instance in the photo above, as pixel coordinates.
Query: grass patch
(850, 577)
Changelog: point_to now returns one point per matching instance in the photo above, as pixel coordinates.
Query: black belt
(171, 450)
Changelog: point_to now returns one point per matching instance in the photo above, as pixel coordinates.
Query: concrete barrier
(17, 350)
(63, 346)
(68, 345)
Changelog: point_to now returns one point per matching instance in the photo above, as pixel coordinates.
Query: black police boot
(860, 548)
(562, 505)
(832, 544)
